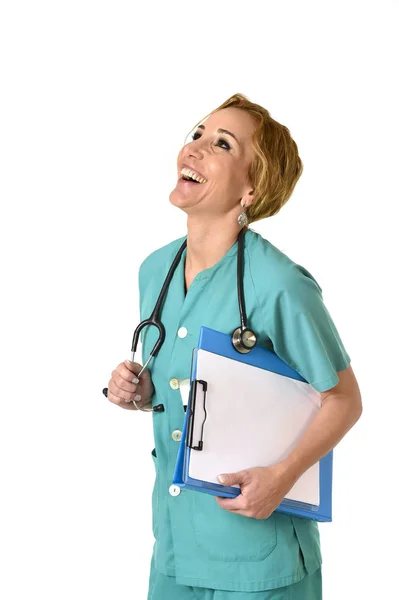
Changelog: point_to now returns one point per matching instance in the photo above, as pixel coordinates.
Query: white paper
(254, 418)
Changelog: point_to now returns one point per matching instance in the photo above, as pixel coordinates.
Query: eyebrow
(222, 131)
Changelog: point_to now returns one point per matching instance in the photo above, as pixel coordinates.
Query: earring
(242, 217)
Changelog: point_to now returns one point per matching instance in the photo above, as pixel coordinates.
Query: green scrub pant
(162, 587)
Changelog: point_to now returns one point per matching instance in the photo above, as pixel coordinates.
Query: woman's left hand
(262, 490)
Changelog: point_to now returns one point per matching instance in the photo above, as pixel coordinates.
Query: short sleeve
(303, 333)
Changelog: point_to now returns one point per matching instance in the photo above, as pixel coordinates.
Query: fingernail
(137, 397)
(221, 478)
(128, 400)
(135, 380)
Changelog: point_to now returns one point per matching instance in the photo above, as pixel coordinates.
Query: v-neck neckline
(206, 273)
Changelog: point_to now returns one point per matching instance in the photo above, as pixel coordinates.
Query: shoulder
(274, 272)
(160, 258)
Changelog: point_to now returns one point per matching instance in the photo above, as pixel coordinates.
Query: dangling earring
(242, 217)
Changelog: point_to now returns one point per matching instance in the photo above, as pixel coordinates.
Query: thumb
(136, 367)
(231, 478)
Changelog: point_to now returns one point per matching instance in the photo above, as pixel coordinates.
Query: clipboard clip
(190, 425)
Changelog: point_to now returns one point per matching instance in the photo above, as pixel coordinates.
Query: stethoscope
(242, 338)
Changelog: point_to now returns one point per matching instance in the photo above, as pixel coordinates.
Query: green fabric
(197, 542)
(162, 587)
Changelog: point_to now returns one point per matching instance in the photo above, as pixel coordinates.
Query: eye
(221, 141)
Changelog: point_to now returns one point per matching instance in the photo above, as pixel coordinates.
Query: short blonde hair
(276, 167)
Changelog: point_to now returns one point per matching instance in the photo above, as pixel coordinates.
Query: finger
(122, 384)
(126, 395)
(120, 401)
(243, 512)
(133, 367)
(125, 374)
(128, 405)
(139, 373)
(234, 504)
(233, 478)
(113, 397)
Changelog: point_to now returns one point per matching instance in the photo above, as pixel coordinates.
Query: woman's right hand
(122, 390)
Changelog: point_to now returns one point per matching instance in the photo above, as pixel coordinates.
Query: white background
(96, 100)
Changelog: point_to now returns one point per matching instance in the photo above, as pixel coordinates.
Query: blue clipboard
(220, 344)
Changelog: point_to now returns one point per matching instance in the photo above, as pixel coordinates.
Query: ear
(247, 198)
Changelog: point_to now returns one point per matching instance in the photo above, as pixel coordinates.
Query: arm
(341, 407)
(263, 488)
(305, 337)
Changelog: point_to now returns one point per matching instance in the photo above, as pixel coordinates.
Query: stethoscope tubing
(241, 343)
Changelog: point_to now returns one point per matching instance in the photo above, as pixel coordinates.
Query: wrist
(288, 470)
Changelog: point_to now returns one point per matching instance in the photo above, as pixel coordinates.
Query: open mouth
(185, 178)
(191, 176)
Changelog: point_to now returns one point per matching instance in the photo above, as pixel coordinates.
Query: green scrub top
(196, 541)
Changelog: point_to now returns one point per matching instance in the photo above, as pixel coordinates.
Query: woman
(246, 166)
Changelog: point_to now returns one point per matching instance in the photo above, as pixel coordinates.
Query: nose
(194, 148)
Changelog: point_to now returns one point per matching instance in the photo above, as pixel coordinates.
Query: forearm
(335, 418)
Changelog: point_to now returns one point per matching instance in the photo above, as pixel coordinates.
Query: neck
(208, 242)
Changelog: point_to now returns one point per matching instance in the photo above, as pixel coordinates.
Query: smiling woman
(274, 165)
(239, 166)
(219, 157)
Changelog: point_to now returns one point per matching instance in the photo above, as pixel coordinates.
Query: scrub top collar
(206, 273)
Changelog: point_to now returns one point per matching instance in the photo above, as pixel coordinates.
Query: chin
(174, 197)
(177, 199)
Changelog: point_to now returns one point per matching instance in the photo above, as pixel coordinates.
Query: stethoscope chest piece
(243, 340)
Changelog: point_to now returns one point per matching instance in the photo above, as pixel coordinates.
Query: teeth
(192, 175)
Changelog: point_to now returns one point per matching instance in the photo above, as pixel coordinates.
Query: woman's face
(221, 153)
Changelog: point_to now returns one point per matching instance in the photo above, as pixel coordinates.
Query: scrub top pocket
(225, 536)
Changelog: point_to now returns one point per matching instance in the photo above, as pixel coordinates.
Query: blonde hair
(276, 166)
